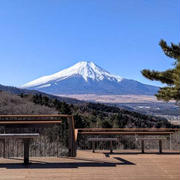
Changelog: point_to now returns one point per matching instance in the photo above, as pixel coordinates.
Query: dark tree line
(100, 115)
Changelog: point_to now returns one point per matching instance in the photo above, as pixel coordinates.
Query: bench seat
(145, 139)
(93, 140)
(26, 137)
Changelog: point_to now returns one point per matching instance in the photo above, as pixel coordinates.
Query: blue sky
(41, 37)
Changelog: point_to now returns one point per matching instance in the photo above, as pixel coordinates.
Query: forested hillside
(85, 115)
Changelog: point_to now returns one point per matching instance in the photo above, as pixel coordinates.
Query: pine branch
(164, 77)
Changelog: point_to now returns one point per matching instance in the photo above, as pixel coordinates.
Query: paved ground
(100, 166)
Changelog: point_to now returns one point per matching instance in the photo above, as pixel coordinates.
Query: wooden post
(170, 142)
(160, 146)
(111, 147)
(7, 142)
(72, 143)
(17, 148)
(26, 151)
(142, 146)
(93, 146)
(4, 148)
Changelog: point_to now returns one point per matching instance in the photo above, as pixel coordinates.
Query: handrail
(32, 119)
(127, 129)
(36, 115)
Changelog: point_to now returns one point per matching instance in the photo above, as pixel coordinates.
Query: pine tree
(171, 77)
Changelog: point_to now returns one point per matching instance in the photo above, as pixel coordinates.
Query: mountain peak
(85, 63)
(86, 69)
(85, 77)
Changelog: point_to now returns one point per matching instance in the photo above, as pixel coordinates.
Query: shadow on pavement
(48, 165)
(133, 153)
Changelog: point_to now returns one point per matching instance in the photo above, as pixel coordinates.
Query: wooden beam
(14, 122)
(125, 133)
(150, 138)
(19, 135)
(32, 119)
(102, 139)
(127, 129)
(35, 115)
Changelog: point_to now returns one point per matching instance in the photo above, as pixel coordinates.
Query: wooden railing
(23, 121)
(126, 131)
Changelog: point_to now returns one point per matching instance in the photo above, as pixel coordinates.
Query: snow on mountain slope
(88, 78)
(88, 70)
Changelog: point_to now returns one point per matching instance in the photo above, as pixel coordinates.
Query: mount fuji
(88, 78)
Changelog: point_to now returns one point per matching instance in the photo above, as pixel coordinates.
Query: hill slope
(19, 91)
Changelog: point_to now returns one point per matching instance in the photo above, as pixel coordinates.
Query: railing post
(93, 146)
(26, 151)
(142, 146)
(111, 147)
(160, 146)
(71, 138)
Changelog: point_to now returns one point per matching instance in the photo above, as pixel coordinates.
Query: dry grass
(113, 98)
(13, 104)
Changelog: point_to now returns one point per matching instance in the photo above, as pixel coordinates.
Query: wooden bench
(145, 139)
(26, 137)
(93, 140)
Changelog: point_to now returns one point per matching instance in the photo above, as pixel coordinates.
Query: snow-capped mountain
(88, 78)
(87, 70)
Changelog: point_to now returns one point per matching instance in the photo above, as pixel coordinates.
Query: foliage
(171, 77)
(100, 115)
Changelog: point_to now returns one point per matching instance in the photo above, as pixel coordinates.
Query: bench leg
(160, 146)
(26, 151)
(111, 147)
(142, 146)
(93, 146)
